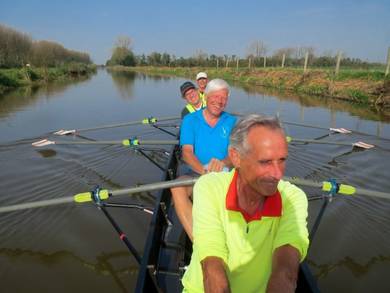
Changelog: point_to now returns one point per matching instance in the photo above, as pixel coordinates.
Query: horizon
(357, 28)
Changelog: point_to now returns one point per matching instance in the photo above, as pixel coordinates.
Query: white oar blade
(42, 143)
(65, 132)
(363, 145)
(340, 130)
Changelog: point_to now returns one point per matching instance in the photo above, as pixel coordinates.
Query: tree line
(257, 56)
(18, 49)
(275, 60)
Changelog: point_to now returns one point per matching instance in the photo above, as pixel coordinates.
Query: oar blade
(340, 130)
(364, 145)
(65, 132)
(42, 143)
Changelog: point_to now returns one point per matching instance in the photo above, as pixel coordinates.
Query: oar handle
(155, 186)
(373, 193)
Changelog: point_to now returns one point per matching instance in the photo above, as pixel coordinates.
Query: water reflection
(23, 97)
(124, 81)
(106, 263)
(47, 153)
(308, 101)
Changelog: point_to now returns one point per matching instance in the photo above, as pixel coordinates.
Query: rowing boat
(168, 250)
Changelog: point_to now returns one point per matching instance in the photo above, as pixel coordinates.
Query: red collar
(272, 206)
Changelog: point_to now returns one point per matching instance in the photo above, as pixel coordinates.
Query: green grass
(373, 75)
(357, 95)
(316, 81)
(15, 77)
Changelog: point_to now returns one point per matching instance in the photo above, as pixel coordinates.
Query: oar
(136, 142)
(359, 144)
(330, 186)
(338, 130)
(103, 194)
(150, 120)
(125, 142)
(334, 187)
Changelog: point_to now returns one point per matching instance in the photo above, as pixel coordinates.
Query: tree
(257, 49)
(200, 57)
(165, 59)
(288, 52)
(154, 59)
(15, 47)
(122, 53)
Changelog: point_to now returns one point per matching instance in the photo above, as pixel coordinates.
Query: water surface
(74, 248)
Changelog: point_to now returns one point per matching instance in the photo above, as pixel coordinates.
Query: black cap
(185, 87)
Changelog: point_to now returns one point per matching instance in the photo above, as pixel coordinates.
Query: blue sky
(359, 28)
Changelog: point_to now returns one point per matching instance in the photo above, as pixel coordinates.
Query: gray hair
(216, 85)
(238, 137)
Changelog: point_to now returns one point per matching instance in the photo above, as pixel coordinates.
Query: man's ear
(234, 157)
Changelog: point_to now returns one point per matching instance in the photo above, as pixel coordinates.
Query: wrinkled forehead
(264, 137)
(218, 93)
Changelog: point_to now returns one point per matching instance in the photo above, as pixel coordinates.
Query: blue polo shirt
(208, 142)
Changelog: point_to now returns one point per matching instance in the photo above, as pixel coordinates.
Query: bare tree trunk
(338, 63)
(388, 62)
(306, 59)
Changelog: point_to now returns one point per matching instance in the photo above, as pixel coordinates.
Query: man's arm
(214, 275)
(285, 265)
(190, 158)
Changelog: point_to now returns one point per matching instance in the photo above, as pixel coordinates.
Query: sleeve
(184, 112)
(187, 135)
(209, 234)
(293, 223)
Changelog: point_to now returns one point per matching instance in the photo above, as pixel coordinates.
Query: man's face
(192, 97)
(202, 82)
(264, 164)
(216, 102)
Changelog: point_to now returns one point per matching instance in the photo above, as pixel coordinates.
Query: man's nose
(277, 170)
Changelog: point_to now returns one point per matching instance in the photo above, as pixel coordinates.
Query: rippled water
(74, 248)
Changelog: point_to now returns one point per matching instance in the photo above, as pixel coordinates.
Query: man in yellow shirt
(249, 226)
(201, 81)
(191, 95)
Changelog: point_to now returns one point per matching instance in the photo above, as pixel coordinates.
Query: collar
(200, 116)
(272, 206)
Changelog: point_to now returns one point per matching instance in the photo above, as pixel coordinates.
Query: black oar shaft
(121, 234)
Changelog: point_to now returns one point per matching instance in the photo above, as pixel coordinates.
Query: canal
(71, 248)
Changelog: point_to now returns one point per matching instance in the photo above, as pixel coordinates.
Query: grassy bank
(358, 86)
(17, 77)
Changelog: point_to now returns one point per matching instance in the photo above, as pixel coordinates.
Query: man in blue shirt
(204, 139)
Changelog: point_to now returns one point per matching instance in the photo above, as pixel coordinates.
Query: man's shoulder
(184, 112)
(216, 180)
(229, 118)
(192, 117)
(291, 193)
